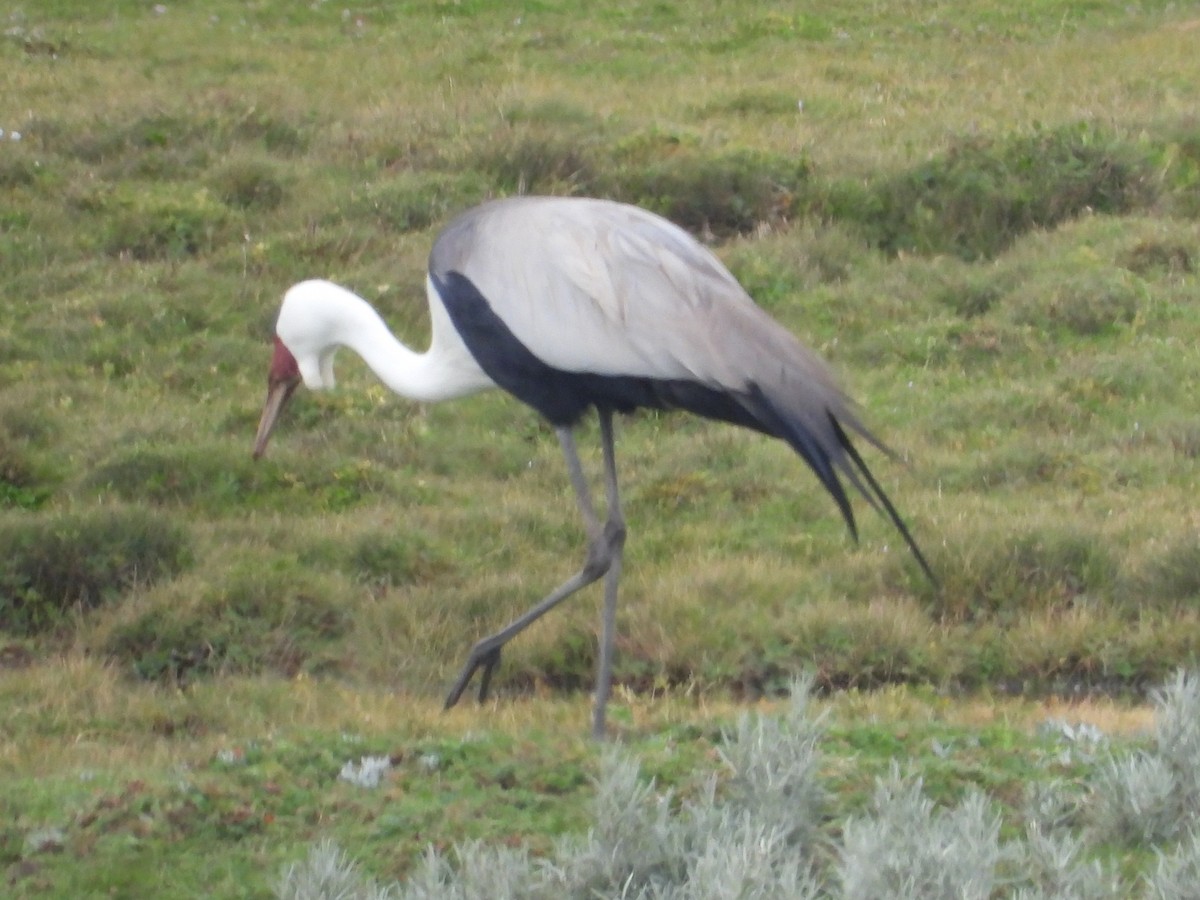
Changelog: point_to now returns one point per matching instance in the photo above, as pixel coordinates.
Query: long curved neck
(445, 371)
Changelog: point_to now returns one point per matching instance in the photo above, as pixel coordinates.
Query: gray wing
(602, 287)
(606, 288)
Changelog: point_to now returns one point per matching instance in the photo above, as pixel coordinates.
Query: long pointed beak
(278, 394)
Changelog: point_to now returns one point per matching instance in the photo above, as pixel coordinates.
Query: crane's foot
(486, 656)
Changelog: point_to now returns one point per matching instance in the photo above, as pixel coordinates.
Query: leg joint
(599, 559)
(604, 549)
(614, 533)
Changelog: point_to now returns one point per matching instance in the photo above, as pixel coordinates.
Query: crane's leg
(604, 546)
(614, 533)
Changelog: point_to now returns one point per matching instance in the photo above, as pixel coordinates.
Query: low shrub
(980, 195)
(861, 646)
(1086, 304)
(163, 225)
(26, 479)
(328, 872)
(1177, 872)
(1005, 577)
(258, 617)
(971, 294)
(58, 563)
(1179, 159)
(1154, 795)
(175, 475)
(1163, 256)
(387, 559)
(905, 846)
(17, 171)
(754, 840)
(721, 194)
(106, 141)
(275, 134)
(224, 479)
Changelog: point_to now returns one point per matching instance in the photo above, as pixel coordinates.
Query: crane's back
(571, 302)
(602, 288)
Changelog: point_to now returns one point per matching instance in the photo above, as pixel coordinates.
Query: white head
(308, 331)
(312, 323)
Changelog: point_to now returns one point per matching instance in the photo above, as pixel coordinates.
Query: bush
(224, 479)
(327, 873)
(775, 767)
(1177, 873)
(1086, 304)
(17, 171)
(974, 200)
(164, 226)
(723, 194)
(527, 160)
(907, 847)
(1154, 795)
(1001, 577)
(26, 481)
(386, 559)
(276, 135)
(1152, 257)
(197, 476)
(257, 618)
(109, 141)
(755, 840)
(59, 563)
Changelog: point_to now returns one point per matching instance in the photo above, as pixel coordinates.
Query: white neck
(445, 371)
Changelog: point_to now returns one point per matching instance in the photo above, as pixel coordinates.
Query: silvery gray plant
(907, 847)
(761, 832)
(328, 874)
(1153, 795)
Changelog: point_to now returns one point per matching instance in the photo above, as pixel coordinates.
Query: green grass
(984, 215)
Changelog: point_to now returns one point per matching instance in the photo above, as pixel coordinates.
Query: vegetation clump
(58, 563)
(722, 194)
(170, 225)
(717, 195)
(1153, 796)
(256, 619)
(26, 478)
(978, 197)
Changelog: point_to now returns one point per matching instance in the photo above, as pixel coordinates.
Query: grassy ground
(136, 791)
(984, 217)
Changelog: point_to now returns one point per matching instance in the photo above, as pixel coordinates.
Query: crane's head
(305, 341)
